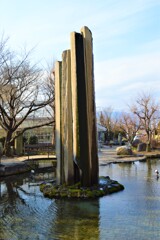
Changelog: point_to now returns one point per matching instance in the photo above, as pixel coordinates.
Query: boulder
(124, 150)
(141, 147)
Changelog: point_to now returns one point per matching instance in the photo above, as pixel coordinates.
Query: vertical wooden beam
(58, 133)
(79, 101)
(91, 109)
(67, 133)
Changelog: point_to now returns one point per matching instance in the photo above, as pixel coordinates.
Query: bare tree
(50, 91)
(49, 88)
(110, 120)
(102, 119)
(106, 117)
(22, 94)
(130, 125)
(146, 109)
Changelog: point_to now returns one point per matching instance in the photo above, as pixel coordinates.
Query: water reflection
(135, 214)
(26, 214)
(76, 220)
(131, 214)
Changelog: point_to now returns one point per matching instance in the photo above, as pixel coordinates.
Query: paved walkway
(8, 161)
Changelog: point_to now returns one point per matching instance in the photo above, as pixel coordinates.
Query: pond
(132, 214)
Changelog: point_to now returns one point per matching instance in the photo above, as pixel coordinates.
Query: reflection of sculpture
(76, 143)
(79, 220)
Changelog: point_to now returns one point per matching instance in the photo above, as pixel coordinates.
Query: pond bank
(16, 165)
(107, 155)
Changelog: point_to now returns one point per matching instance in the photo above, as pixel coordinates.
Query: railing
(39, 149)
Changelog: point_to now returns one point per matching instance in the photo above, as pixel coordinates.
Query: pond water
(132, 214)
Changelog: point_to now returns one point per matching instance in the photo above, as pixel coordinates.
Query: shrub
(33, 140)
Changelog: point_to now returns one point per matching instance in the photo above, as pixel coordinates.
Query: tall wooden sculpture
(76, 134)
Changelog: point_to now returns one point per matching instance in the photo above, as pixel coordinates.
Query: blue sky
(126, 40)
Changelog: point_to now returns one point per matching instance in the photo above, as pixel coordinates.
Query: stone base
(106, 186)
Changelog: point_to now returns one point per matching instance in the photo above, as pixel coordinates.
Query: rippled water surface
(132, 214)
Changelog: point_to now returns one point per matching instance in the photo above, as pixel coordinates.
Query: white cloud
(120, 79)
(116, 26)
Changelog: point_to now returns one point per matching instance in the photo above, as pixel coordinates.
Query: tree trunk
(7, 151)
(148, 147)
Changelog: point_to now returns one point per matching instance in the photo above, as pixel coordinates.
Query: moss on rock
(105, 186)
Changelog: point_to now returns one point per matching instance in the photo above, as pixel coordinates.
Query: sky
(126, 41)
